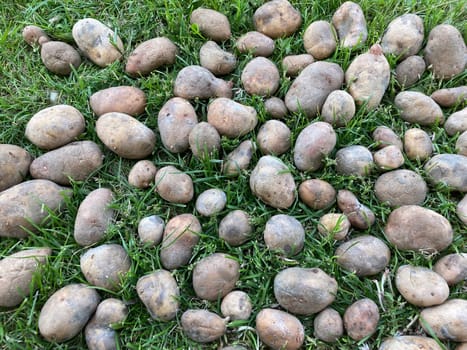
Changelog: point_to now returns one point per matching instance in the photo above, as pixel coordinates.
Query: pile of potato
(30, 188)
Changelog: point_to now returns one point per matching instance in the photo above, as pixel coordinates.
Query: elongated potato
(123, 99)
(150, 55)
(203, 326)
(231, 118)
(211, 23)
(198, 82)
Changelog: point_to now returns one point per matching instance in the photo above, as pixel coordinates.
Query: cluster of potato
(317, 90)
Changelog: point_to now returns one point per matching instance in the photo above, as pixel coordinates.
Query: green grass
(25, 88)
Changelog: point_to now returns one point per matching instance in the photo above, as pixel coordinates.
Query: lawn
(26, 88)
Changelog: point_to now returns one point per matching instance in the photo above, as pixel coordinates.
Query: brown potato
(449, 169)
(150, 55)
(335, 225)
(419, 108)
(461, 144)
(218, 61)
(277, 18)
(350, 24)
(204, 140)
(235, 228)
(14, 162)
(255, 43)
(456, 123)
(452, 267)
(110, 311)
(294, 64)
(230, 118)
(354, 160)
(359, 215)
(203, 326)
(388, 158)
(409, 342)
(142, 174)
(403, 36)
(198, 82)
(260, 77)
(123, 99)
(236, 306)
(317, 194)
(151, 230)
(328, 325)
(451, 96)
(34, 35)
(338, 109)
(410, 70)
(275, 107)
(319, 39)
(239, 159)
(174, 185)
(417, 144)
(274, 137)
(385, 136)
(361, 319)
(285, 234)
(59, 57)
(211, 202)
(213, 24)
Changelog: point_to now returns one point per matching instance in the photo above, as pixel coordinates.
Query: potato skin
(417, 144)
(59, 57)
(34, 35)
(410, 70)
(328, 325)
(274, 137)
(317, 194)
(361, 319)
(456, 123)
(385, 136)
(409, 342)
(294, 64)
(275, 107)
(260, 77)
(338, 109)
(173, 185)
(218, 61)
(150, 55)
(123, 99)
(236, 305)
(198, 82)
(230, 118)
(238, 159)
(285, 234)
(359, 215)
(142, 174)
(388, 158)
(461, 144)
(211, 202)
(202, 326)
(255, 43)
(204, 140)
(452, 267)
(419, 108)
(211, 23)
(449, 97)
(450, 169)
(235, 228)
(14, 162)
(319, 39)
(335, 225)
(350, 24)
(277, 18)
(354, 160)
(403, 36)
(151, 230)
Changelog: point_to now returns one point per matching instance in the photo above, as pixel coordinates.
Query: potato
(218, 61)
(461, 210)
(173, 185)
(236, 306)
(55, 126)
(359, 215)
(411, 227)
(279, 330)
(23, 206)
(255, 43)
(417, 144)
(272, 182)
(230, 118)
(449, 169)
(338, 109)
(202, 326)
(456, 123)
(175, 121)
(294, 64)
(123, 99)
(277, 18)
(105, 266)
(142, 174)
(354, 160)
(328, 325)
(448, 321)
(181, 234)
(67, 311)
(18, 270)
(304, 291)
(34, 35)
(350, 24)
(364, 255)
(461, 144)
(125, 136)
(213, 24)
(150, 55)
(409, 342)
(110, 311)
(319, 39)
(385, 136)
(317, 194)
(403, 36)
(239, 159)
(215, 276)
(410, 70)
(160, 293)
(94, 217)
(367, 77)
(260, 77)
(204, 140)
(211, 202)
(14, 162)
(197, 82)
(361, 319)
(285, 234)
(151, 230)
(97, 41)
(235, 228)
(312, 86)
(313, 144)
(388, 158)
(274, 137)
(401, 187)
(445, 51)
(462, 346)
(451, 96)
(421, 286)
(419, 108)
(452, 267)
(335, 225)
(59, 57)
(275, 107)
(72, 162)
(239, 347)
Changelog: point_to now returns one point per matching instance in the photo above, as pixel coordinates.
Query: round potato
(236, 306)
(449, 169)
(218, 61)
(142, 174)
(317, 194)
(230, 118)
(350, 24)
(361, 319)
(239, 159)
(203, 326)
(456, 123)
(335, 225)
(211, 202)
(403, 36)
(419, 108)
(110, 311)
(151, 230)
(60, 57)
(204, 140)
(260, 77)
(123, 99)
(452, 267)
(14, 162)
(294, 64)
(255, 43)
(338, 109)
(211, 23)
(235, 228)
(150, 55)
(354, 160)
(388, 158)
(277, 18)
(319, 40)
(275, 107)
(285, 234)
(328, 325)
(34, 35)
(173, 185)
(410, 70)
(359, 215)
(198, 82)
(417, 144)
(273, 137)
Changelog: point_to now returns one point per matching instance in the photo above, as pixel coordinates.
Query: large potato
(211, 202)
(260, 77)
(317, 194)
(93, 217)
(449, 169)
(211, 23)
(417, 144)
(404, 36)
(350, 24)
(410, 70)
(419, 108)
(255, 43)
(214, 58)
(361, 319)
(24, 205)
(204, 140)
(274, 137)
(18, 269)
(451, 96)
(142, 174)
(14, 162)
(230, 118)
(452, 267)
(67, 311)
(72, 162)
(198, 82)
(235, 228)
(328, 325)
(285, 234)
(215, 276)
(304, 291)
(55, 126)
(239, 159)
(236, 305)
(456, 123)
(125, 136)
(354, 160)
(97, 41)
(338, 109)
(123, 99)
(409, 342)
(173, 185)
(359, 215)
(277, 18)
(60, 57)
(319, 39)
(203, 326)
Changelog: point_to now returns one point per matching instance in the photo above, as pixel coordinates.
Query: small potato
(361, 319)
(105, 266)
(181, 234)
(204, 140)
(335, 225)
(275, 107)
(215, 276)
(419, 108)
(410, 70)
(239, 159)
(256, 43)
(55, 126)
(456, 123)
(198, 82)
(211, 202)
(449, 169)
(274, 138)
(203, 326)
(359, 215)
(319, 39)
(417, 144)
(285, 234)
(173, 185)
(461, 210)
(59, 57)
(403, 36)
(461, 144)
(409, 342)
(94, 217)
(235, 228)
(294, 64)
(338, 109)
(110, 311)
(354, 160)
(34, 35)
(150, 55)
(213, 24)
(317, 194)
(277, 18)
(328, 325)
(97, 41)
(388, 158)
(72, 162)
(279, 330)
(452, 267)
(14, 162)
(451, 96)
(350, 24)
(260, 77)
(151, 230)
(142, 174)
(236, 305)
(67, 311)
(230, 118)
(385, 136)
(123, 99)
(218, 61)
